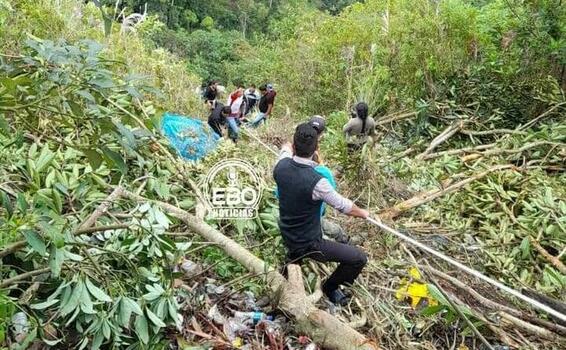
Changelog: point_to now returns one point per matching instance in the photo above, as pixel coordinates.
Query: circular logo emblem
(233, 190)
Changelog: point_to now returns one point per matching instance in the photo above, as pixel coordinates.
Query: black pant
(352, 260)
(216, 127)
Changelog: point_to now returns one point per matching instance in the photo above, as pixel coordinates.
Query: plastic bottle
(255, 316)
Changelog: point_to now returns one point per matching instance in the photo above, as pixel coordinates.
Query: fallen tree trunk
(492, 132)
(428, 196)
(322, 327)
(459, 151)
(391, 118)
(444, 136)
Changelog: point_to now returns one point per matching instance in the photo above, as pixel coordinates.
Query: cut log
(325, 329)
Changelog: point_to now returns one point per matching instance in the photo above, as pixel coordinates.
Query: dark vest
(299, 214)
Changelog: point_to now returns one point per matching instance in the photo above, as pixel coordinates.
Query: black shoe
(336, 297)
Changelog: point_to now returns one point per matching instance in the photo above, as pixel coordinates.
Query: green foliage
(209, 53)
(395, 53)
(73, 88)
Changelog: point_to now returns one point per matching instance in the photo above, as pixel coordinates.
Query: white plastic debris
(190, 268)
(20, 326)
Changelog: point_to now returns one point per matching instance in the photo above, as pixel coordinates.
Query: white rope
(250, 133)
(451, 261)
(471, 271)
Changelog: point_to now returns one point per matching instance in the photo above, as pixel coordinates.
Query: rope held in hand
(537, 304)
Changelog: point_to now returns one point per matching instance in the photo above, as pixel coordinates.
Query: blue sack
(191, 137)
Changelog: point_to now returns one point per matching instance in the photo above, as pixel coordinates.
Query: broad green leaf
(187, 204)
(45, 159)
(97, 292)
(172, 308)
(525, 248)
(103, 83)
(97, 340)
(115, 159)
(22, 203)
(106, 329)
(4, 127)
(436, 294)
(56, 258)
(133, 92)
(44, 305)
(125, 312)
(151, 296)
(86, 302)
(160, 309)
(154, 319)
(94, 158)
(35, 241)
(431, 310)
(74, 299)
(72, 256)
(57, 201)
(161, 218)
(135, 306)
(76, 109)
(140, 325)
(87, 95)
(127, 134)
(6, 203)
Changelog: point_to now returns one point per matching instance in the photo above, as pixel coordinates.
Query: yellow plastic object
(414, 291)
(237, 343)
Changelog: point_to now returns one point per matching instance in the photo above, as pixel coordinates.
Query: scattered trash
(215, 315)
(214, 289)
(254, 317)
(190, 268)
(20, 326)
(311, 346)
(249, 301)
(235, 327)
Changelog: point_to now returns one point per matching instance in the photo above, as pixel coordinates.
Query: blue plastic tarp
(191, 137)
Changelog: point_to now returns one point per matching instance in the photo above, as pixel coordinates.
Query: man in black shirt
(218, 116)
(265, 105)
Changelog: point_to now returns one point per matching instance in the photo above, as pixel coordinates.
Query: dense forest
(104, 239)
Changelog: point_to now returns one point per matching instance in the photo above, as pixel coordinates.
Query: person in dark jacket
(265, 105)
(217, 117)
(210, 93)
(251, 97)
(301, 194)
